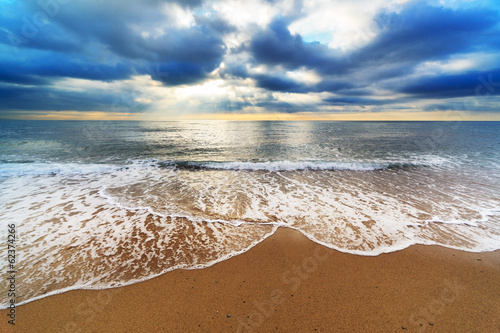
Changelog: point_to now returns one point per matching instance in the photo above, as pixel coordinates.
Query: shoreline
(289, 283)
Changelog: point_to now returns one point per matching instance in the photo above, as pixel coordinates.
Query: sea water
(105, 204)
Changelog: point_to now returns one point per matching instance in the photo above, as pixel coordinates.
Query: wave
(37, 168)
(29, 167)
(292, 166)
(148, 206)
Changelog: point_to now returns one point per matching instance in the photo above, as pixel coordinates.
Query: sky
(250, 60)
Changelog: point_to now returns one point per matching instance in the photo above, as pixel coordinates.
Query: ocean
(102, 204)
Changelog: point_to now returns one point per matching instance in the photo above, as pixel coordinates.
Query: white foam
(354, 165)
(133, 281)
(64, 220)
(291, 166)
(152, 211)
(45, 168)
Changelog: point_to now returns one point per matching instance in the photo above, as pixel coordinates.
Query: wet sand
(291, 284)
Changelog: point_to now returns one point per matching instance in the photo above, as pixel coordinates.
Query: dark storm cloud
(359, 101)
(176, 73)
(390, 70)
(418, 33)
(358, 92)
(57, 65)
(332, 85)
(47, 99)
(277, 46)
(282, 83)
(461, 85)
(465, 105)
(423, 32)
(25, 35)
(215, 23)
(88, 31)
(12, 75)
(275, 83)
(186, 56)
(42, 42)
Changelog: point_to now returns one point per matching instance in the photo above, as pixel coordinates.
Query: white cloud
(304, 75)
(343, 24)
(460, 63)
(178, 16)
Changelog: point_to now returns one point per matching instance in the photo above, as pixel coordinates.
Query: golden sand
(290, 284)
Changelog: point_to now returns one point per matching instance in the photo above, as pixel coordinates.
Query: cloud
(414, 54)
(215, 22)
(49, 99)
(475, 83)
(277, 46)
(185, 55)
(134, 35)
(275, 83)
(359, 101)
(12, 75)
(424, 32)
(47, 67)
(418, 33)
(176, 73)
(333, 85)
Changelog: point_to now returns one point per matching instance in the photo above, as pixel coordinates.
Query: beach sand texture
(288, 283)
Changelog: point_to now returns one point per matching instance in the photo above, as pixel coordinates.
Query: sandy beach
(290, 284)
